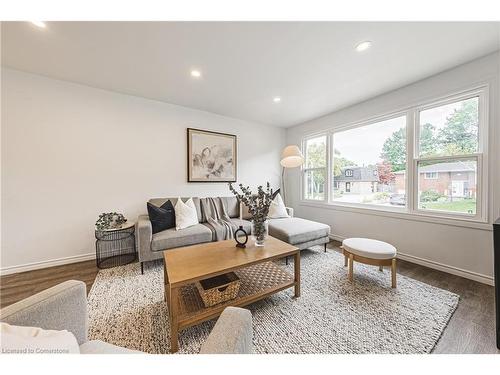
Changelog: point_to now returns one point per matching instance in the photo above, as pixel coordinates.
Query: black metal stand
(115, 247)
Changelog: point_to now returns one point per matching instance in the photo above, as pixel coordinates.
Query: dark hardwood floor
(470, 330)
(21, 285)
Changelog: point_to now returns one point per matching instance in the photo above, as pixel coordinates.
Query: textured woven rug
(331, 316)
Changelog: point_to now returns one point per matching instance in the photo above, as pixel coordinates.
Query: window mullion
(328, 174)
(447, 157)
(411, 134)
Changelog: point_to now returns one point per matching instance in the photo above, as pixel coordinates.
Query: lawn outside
(467, 206)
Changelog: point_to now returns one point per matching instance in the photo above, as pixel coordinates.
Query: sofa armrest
(232, 334)
(62, 307)
(143, 236)
(289, 211)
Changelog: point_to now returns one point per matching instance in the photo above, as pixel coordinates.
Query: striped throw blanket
(218, 220)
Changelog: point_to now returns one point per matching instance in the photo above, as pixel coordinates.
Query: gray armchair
(64, 306)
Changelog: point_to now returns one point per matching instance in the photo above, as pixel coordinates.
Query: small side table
(115, 247)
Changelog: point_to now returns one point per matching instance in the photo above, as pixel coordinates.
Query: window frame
(304, 169)
(482, 93)
(368, 122)
(412, 114)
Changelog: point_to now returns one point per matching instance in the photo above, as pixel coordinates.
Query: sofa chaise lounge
(299, 232)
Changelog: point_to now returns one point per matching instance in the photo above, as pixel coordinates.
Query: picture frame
(211, 156)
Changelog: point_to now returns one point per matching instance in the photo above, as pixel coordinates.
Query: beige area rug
(331, 316)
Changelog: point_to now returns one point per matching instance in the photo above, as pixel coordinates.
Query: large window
(426, 160)
(315, 172)
(369, 163)
(447, 156)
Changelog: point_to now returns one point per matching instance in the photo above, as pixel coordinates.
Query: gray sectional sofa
(295, 231)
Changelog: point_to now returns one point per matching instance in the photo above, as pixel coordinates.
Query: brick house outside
(453, 180)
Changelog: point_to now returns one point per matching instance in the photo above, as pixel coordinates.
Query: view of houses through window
(365, 161)
(449, 183)
(369, 162)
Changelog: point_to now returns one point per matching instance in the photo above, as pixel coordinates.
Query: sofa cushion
(232, 206)
(245, 214)
(171, 238)
(247, 225)
(22, 340)
(232, 334)
(101, 347)
(161, 217)
(185, 214)
(159, 201)
(295, 230)
(277, 209)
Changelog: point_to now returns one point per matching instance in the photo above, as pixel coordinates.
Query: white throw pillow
(245, 213)
(277, 209)
(185, 214)
(33, 340)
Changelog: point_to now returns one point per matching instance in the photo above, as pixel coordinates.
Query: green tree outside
(457, 137)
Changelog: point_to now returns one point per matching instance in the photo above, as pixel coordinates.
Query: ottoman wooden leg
(346, 260)
(380, 268)
(351, 265)
(393, 272)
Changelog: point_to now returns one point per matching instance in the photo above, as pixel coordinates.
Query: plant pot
(259, 231)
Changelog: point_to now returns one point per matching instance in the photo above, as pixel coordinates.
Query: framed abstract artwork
(211, 156)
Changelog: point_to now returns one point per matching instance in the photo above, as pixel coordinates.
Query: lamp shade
(291, 157)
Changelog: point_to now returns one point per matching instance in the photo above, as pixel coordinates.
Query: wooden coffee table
(260, 277)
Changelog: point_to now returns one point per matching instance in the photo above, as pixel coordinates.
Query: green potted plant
(109, 220)
(258, 206)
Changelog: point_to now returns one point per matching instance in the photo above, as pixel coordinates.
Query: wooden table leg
(393, 272)
(166, 295)
(345, 256)
(351, 266)
(173, 309)
(296, 263)
(166, 286)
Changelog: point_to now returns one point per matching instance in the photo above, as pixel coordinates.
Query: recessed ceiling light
(195, 73)
(39, 24)
(363, 46)
(276, 99)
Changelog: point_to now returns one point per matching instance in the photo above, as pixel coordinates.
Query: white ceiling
(312, 66)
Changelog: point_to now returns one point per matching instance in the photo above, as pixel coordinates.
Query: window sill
(401, 213)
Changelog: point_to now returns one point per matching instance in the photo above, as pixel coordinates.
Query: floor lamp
(291, 157)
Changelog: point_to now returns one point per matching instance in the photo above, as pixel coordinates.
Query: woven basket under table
(219, 289)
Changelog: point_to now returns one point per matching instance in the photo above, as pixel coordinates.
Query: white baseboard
(46, 263)
(485, 279)
(410, 258)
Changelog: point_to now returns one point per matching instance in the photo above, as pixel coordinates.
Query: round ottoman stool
(368, 251)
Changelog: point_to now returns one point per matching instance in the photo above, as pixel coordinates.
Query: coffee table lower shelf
(257, 282)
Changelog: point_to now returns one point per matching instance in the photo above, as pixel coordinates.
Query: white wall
(70, 152)
(460, 250)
